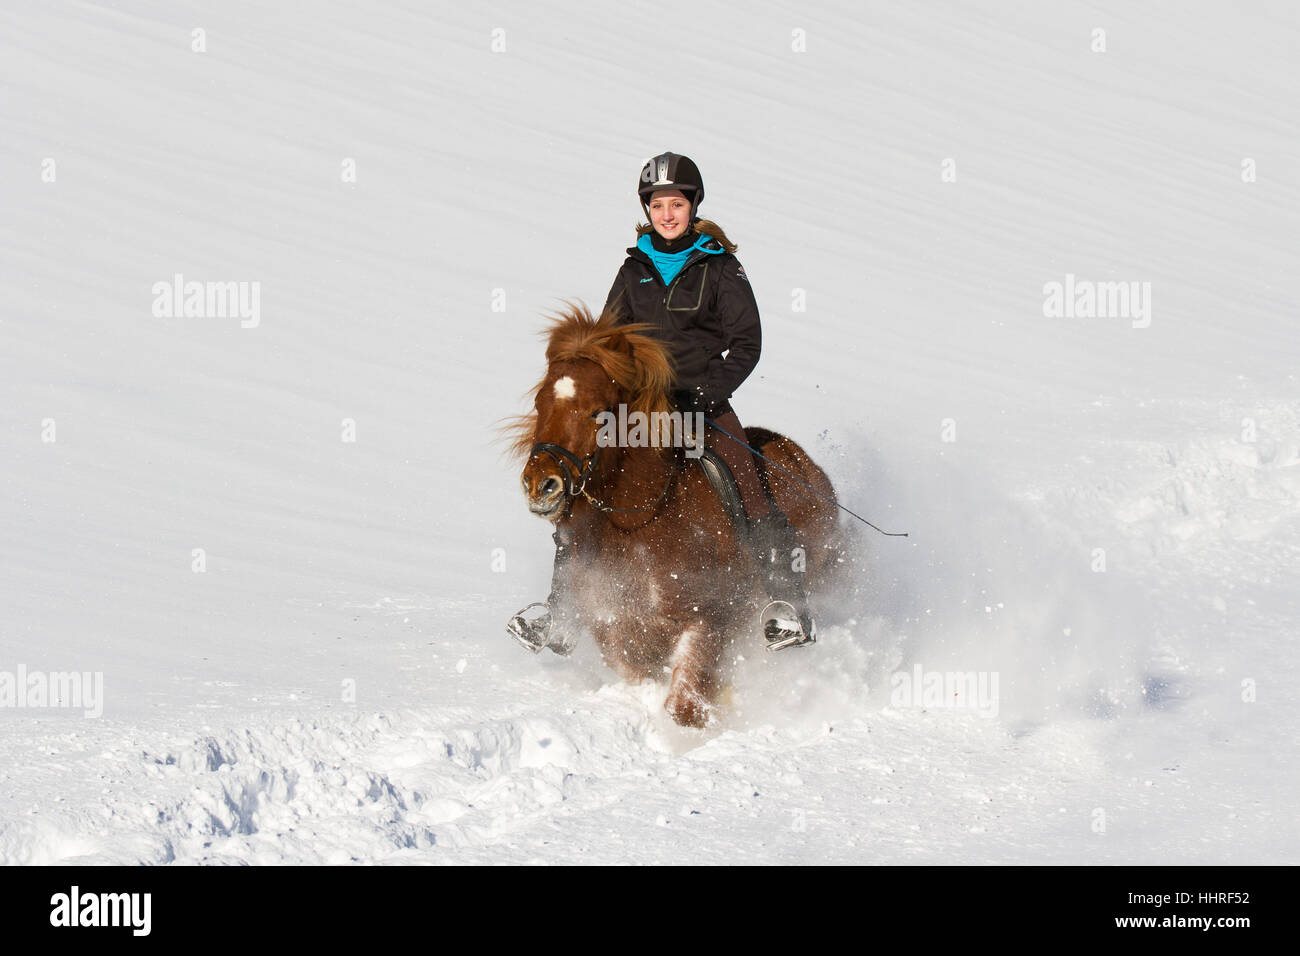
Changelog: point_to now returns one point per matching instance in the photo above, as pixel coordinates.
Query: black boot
(552, 624)
(787, 620)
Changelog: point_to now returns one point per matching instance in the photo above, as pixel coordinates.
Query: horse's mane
(640, 365)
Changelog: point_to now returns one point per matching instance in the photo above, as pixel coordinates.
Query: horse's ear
(622, 342)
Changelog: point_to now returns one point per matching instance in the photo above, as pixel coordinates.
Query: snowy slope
(336, 685)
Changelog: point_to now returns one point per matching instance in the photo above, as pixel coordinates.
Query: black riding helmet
(671, 171)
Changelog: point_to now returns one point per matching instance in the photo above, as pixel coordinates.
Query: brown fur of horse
(668, 592)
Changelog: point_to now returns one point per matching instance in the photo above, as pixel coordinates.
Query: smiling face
(670, 213)
(568, 403)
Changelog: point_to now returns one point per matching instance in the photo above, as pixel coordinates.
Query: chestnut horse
(658, 574)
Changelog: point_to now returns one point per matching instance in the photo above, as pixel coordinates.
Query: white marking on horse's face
(564, 388)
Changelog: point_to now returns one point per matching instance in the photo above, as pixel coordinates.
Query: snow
(287, 539)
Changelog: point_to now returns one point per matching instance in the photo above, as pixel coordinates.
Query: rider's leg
(741, 462)
(555, 623)
(771, 535)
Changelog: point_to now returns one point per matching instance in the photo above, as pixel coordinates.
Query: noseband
(576, 472)
(574, 484)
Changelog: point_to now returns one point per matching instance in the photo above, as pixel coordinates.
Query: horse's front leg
(694, 684)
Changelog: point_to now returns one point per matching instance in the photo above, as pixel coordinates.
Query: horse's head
(565, 447)
(593, 367)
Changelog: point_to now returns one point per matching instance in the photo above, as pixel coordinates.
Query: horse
(658, 573)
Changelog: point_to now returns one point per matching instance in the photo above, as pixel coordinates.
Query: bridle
(577, 471)
(568, 461)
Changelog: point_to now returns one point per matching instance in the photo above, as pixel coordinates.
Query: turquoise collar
(671, 263)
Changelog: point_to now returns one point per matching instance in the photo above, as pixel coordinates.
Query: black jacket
(709, 308)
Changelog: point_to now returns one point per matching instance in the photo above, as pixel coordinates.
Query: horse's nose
(548, 487)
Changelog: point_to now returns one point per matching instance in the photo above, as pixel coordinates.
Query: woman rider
(682, 277)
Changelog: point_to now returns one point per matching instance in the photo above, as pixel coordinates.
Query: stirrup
(537, 631)
(783, 627)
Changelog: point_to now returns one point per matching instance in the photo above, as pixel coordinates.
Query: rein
(888, 534)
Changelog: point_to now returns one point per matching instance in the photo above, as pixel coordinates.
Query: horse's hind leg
(694, 683)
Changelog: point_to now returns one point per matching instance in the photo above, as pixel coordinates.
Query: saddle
(724, 486)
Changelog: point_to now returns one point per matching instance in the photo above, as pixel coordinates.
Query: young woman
(683, 278)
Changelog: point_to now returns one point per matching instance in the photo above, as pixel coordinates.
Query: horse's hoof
(688, 709)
